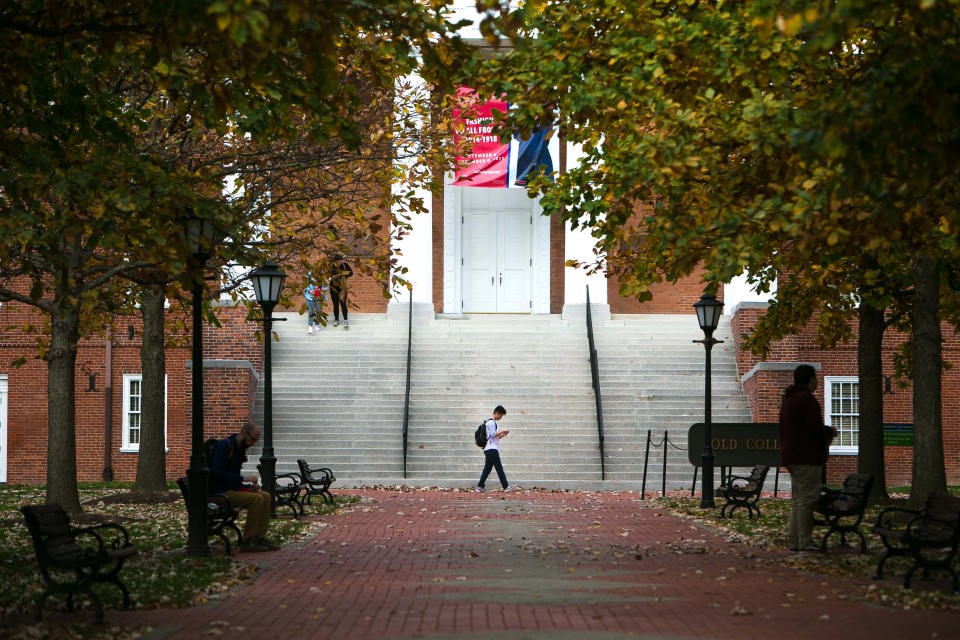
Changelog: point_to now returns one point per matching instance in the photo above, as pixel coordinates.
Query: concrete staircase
(338, 398)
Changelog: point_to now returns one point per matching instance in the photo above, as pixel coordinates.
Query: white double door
(497, 232)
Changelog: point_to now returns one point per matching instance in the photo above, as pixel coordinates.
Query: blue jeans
(313, 308)
(492, 460)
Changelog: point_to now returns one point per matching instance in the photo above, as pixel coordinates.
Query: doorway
(497, 262)
(496, 252)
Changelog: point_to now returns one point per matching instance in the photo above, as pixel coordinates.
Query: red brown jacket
(803, 437)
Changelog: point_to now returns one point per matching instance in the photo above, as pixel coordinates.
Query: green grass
(769, 531)
(160, 575)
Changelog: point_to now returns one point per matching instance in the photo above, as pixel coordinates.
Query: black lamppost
(267, 282)
(708, 315)
(201, 235)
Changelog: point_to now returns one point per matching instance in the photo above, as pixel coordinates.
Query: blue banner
(533, 157)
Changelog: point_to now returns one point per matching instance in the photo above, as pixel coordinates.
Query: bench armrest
(120, 538)
(218, 506)
(292, 480)
(933, 531)
(746, 483)
(320, 475)
(838, 502)
(117, 529)
(896, 518)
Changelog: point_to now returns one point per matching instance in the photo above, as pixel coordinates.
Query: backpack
(480, 435)
(210, 444)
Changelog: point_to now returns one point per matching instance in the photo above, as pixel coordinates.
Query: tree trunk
(870, 373)
(61, 411)
(152, 461)
(929, 474)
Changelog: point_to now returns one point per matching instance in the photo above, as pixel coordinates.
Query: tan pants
(805, 480)
(257, 504)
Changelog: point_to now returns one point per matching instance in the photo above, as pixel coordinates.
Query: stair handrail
(595, 379)
(406, 395)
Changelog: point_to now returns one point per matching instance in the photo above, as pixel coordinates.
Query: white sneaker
(479, 489)
(513, 487)
(346, 324)
(309, 330)
(336, 323)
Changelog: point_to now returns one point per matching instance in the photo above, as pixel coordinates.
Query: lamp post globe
(267, 283)
(200, 235)
(708, 310)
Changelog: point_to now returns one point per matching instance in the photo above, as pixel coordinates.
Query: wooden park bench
(286, 492)
(315, 482)
(221, 517)
(742, 491)
(841, 510)
(930, 535)
(73, 559)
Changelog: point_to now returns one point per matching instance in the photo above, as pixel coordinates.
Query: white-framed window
(133, 411)
(841, 399)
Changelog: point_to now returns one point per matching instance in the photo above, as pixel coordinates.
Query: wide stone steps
(338, 398)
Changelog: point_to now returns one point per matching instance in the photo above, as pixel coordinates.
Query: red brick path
(533, 565)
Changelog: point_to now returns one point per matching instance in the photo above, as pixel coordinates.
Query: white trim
(416, 246)
(828, 382)
(452, 298)
(541, 259)
(3, 428)
(126, 445)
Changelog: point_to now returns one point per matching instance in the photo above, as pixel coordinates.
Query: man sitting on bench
(243, 492)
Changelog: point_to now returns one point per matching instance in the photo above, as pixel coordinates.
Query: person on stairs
(314, 294)
(491, 451)
(338, 289)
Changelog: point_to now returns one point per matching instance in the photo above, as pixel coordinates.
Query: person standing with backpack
(491, 451)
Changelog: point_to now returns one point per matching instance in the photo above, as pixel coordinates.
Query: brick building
(476, 251)
(108, 367)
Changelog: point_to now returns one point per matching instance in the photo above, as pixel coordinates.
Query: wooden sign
(737, 444)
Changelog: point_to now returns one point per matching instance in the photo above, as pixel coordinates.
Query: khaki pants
(805, 480)
(257, 504)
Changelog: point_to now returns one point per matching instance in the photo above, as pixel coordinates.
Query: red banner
(488, 164)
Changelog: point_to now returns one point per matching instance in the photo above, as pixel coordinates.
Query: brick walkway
(531, 565)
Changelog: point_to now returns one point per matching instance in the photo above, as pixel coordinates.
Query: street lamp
(708, 315)
(267, 282)
(201, 236)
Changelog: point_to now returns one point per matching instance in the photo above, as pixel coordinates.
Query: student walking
(491, 452)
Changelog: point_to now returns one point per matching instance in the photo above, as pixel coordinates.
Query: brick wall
(668, 297)
(437, 253)
(229, 388)
(558, 237)
(766, 381)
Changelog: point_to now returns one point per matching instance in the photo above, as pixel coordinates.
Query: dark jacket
(340, 276)
(225, 463)
(803, 437)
